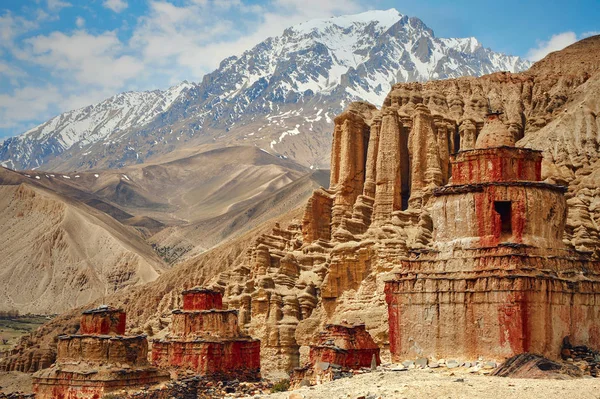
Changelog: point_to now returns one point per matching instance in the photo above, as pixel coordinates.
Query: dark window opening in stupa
(456, 142)
(503, 208)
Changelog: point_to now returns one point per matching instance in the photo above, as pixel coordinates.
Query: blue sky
(57, 55)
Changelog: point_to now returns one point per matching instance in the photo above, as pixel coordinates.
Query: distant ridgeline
(280, 95)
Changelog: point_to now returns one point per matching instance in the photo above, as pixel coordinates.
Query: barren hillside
(58, 253)
(303, 284)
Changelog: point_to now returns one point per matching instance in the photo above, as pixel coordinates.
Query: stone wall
(205, 324)
(202, 299)
(103, 321)
(446, 313)
(467, 216)
(496, 165)
(222, 359)
(103, 349)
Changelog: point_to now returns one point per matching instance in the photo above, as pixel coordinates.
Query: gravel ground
(443, 385)
(15, 381)
(408, 385)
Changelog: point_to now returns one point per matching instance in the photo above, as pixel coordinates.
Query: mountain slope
(281, 96)
(58, 253)
(71, 238)
(558, 108)
(191, 203)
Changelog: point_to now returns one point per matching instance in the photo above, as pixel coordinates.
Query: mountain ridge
(280, 95)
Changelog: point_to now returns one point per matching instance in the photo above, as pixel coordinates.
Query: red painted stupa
(206, 339)
(98, 360)
(350, 347)
(498, 279)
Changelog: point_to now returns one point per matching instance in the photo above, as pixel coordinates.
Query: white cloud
(57, 5)
(26, 104)
(12, 26)
(193, 39)
(84, 58)
(115, 5)
(168, 44)
(556, 42)
(11, 71)
(590, 33)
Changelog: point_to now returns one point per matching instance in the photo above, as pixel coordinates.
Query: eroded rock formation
(380, 210)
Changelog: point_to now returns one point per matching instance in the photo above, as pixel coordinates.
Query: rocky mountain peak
(280, 96)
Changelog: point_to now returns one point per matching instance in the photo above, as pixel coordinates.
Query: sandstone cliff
(330, 264)
(384, 165)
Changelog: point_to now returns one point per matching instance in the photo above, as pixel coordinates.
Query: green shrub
(281, 386)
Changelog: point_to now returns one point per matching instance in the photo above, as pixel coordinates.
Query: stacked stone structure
(98, 360)
(498, 279)
(206, 339)
(348, 346)
(338, 350)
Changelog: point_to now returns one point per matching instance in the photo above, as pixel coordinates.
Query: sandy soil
(15, 382)
(444, 384)
(408, 385)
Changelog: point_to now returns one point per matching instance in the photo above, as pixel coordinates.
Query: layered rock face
(207, 340)
(498, 280)
(384, 201)
(97, 361)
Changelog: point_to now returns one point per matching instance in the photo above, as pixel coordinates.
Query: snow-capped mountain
(281, 95)
(91, 124)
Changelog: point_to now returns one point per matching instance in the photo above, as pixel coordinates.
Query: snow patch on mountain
(285, 86)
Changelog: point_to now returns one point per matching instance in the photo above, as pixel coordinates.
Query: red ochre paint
(202, 299)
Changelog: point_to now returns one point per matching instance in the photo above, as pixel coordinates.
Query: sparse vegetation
(13, 328)
(281, 386)
(170, 254)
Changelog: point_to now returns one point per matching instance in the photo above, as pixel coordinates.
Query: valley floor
(408, 385)
(15, 381)
(12, 329)
(444, 384)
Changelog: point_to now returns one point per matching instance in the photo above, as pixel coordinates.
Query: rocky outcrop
(528, 365)
(379, 210)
